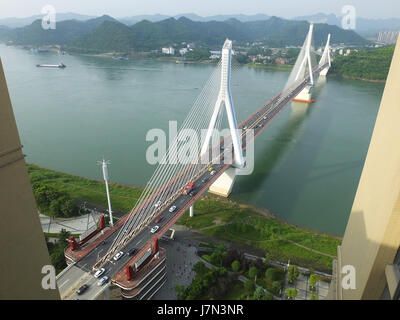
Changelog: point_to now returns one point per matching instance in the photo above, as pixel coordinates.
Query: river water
(307, 162)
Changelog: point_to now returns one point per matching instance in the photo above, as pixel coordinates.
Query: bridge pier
(305, 95)
(191, 210)
(223, 185)
(324, 72)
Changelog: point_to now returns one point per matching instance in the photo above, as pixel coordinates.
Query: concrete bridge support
(223, 185)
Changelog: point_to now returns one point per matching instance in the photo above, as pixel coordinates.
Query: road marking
(63, 283)
(139, 242)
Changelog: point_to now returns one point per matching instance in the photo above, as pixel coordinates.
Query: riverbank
(282, 67)
(215, 217)
(343, 76)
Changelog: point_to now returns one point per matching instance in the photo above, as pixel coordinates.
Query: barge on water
(61, 65)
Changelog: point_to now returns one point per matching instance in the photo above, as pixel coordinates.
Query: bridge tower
(304, 67)
(225, 97)
(223, 185)
(326, 57)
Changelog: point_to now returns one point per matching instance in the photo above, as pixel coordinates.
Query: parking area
(181, 256)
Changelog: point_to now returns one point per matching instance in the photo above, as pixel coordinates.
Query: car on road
(188, 188)
(118, 256)
(172, 209)
(158, 203)
(192, 193)
(82, 289)
(204, 180)
(102, 281)
(210, 169)
(213, 172)
(159, 219)
(132, 252)
(99, 272)
(154, 229)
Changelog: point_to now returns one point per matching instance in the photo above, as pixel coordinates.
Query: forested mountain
(107, 34)
(65, 32)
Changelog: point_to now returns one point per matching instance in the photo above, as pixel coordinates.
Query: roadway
(82, 271)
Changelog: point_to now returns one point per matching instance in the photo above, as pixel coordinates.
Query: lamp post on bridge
(104, 164)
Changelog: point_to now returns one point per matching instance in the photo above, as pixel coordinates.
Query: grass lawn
(123, 197)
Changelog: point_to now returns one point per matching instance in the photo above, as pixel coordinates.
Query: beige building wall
(372, 236)
(23, 251)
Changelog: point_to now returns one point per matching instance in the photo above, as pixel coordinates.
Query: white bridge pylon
(306, 62)
(326, 57)
(305, 67)
(225, 97)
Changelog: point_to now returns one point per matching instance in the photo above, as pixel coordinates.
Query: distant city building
(168, 50)
(280, 61)
(388, 37)
(183, 51)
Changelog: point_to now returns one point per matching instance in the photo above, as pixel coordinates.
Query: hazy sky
(124, 8)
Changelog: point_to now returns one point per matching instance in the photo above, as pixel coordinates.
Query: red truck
(188, 188)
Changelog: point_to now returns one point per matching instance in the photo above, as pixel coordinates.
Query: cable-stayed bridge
(198, 159)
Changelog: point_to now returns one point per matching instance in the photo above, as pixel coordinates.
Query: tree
(231, 255)
(200, 268)
(270, 274)
(222, 271)
(259, 294)
(249, 286)
(314, 296)
(276, 288)
(180, 292)
(253, 272)
(235, 266)
(293, 273)
(57, 257)
(313, 281)
(291, 293)
(241, 58)
(267, 259)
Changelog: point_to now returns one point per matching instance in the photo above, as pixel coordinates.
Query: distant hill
(194, 17)
(365, 27)
(21, 22)
(4, 31)
(65, 32)
(106, 34)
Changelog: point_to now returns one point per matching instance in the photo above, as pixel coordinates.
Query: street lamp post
(104, 164)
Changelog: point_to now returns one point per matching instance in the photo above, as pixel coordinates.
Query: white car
(102, 281)
(99, 272)
(213, 172)
(118, 256)
(172, 209)
(154, 229)
(158, 203)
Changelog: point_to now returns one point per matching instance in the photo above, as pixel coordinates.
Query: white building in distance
(168, 50)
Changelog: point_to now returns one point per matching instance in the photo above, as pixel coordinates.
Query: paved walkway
(75, 225)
